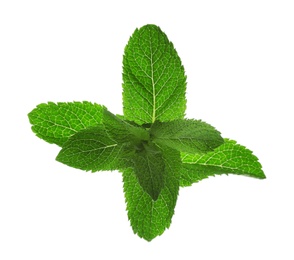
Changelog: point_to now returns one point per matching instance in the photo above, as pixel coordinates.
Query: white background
(239, 59)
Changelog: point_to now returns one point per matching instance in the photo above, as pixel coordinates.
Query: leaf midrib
(152, 81)
(218, 166)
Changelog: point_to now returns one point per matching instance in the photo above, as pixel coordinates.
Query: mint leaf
(186, 135)
(91, 150)
(149, 169)
(55, 123)
(227, 158)
(150, 218)
(154, 79)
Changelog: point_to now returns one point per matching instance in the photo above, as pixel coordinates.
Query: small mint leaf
(149, 169)
(154, 81)
(92, 150)
(55, 123)
(186, 135)
(227, 158)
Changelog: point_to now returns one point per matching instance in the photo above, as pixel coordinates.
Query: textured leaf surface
(227, 158)
(150, 218)
(149, 169)
(186, 135)
(91, 150)
(55, 123)
(154, 81)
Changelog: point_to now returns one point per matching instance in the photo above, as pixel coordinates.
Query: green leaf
(186, 135)
(149, 169)
(154, 81)
(92, 150)
(55, 123)
(227, 158)
(150, 218)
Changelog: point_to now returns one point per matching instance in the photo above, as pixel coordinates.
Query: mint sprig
(152, 144)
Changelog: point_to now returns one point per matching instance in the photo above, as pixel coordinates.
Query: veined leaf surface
(154, 81)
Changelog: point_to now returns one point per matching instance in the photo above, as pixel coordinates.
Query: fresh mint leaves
(152, 144)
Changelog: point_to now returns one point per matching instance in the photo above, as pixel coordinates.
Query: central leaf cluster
(119, 144)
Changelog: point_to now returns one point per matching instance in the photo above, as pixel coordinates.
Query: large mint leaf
(154, 81)
(150, 218)
(55, 123)
(186, 135)
(92, 150)
(149, 169)
(227, 158)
